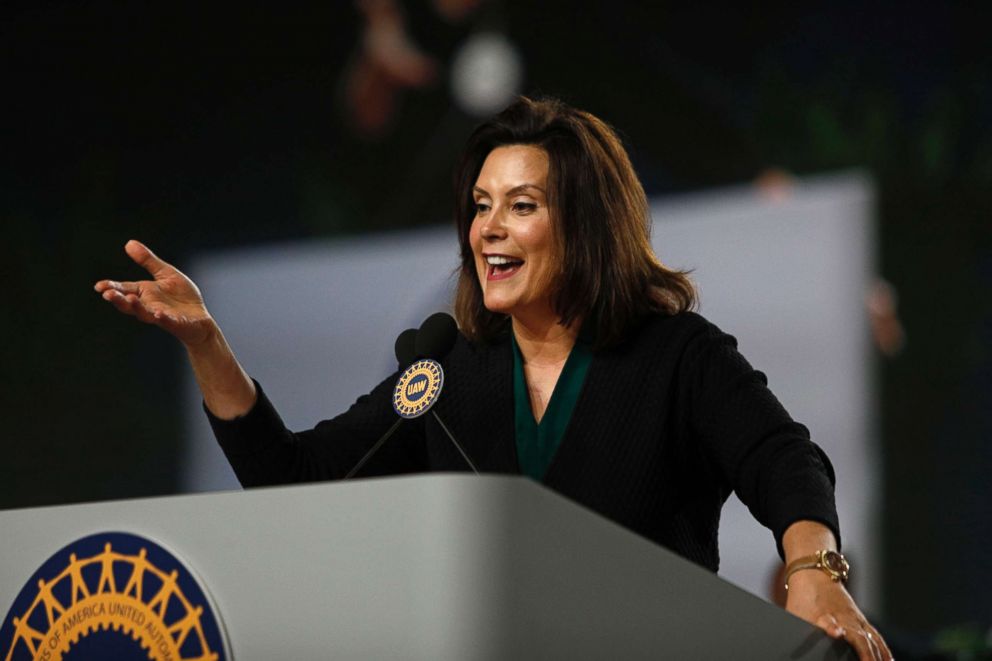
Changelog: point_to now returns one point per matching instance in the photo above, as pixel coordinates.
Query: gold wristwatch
(830, 562)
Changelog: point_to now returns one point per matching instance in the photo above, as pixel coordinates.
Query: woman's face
(511, 233)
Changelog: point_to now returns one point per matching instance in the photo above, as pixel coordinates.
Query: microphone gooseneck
(374, 449)
(457, 445)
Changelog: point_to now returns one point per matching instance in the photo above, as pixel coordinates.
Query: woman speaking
(578, 363)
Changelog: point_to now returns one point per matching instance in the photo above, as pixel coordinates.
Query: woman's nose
(493, 227)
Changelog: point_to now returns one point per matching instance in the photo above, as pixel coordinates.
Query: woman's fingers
(866, 647)
(123, 302)
(830, 624)
(856, 638)
(871, 642)
(126, 303)
(129, 304)
(146, 259)
(122, 287)
(883, 647)
(126, 297)
(867, 642)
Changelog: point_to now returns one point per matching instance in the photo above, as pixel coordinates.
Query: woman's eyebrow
(513, 191)
(522, 188)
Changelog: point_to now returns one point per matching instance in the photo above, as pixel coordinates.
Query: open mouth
(501, 266)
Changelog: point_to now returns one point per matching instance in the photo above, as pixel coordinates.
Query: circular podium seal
(112, 595)
(418, 388)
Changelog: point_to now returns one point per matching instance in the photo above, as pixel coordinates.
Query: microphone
(419, 386)
(433, 339)
(404, 348)
(436, 336)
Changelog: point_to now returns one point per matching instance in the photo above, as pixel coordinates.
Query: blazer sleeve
(262, 451)
(757, 448)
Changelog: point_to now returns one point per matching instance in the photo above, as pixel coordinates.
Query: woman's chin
(498, 308)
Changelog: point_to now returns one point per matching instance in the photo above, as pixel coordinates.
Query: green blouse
(537, 442)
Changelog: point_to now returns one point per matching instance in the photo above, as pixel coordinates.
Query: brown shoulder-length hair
(609, 276)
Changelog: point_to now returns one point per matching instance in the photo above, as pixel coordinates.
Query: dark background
(193, 127)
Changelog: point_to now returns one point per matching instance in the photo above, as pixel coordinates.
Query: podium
(439, 566)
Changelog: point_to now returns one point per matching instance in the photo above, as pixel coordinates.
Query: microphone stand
(457, 444)
(393, 428)
(375, 448)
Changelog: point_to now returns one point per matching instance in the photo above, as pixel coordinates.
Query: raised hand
(170, 300)
(173, 302)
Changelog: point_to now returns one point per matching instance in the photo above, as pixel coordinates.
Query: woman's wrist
(805, 538)
(808, 577)
(227, 390)
(207, 340)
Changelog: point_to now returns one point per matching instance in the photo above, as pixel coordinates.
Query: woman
(578, 363)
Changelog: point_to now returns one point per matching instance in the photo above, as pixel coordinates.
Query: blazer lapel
(578, 421)
(494, 429)
(595, 409)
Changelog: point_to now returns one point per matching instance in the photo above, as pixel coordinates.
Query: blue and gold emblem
(112, 596)
(418, 388)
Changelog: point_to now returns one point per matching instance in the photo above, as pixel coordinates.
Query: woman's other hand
(170, 300)
(817, 598)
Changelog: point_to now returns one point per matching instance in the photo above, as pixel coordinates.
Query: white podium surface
(428, 567)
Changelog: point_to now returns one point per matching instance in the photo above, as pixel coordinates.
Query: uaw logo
(418, 388)
(112, 596)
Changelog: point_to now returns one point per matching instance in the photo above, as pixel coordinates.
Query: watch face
(836, 563)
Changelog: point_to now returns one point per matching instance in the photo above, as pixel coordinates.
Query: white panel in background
(315, 322)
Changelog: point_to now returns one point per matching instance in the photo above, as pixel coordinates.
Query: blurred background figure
(883, 311)
(484, 72)
(385, 63)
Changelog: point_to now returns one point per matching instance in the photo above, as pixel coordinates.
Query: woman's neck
(544, 342)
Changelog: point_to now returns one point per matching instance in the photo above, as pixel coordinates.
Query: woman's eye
(524, 207)
(481, 207)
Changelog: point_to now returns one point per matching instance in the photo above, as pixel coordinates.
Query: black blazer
(668, 423)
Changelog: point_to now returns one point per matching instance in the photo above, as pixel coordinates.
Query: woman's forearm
(227, 390)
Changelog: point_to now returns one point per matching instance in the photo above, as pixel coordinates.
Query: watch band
(828, 561)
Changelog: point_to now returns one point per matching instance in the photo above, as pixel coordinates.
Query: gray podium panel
(428, 567)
